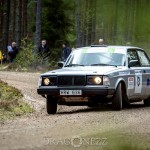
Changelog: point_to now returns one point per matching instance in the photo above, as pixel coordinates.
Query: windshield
(96, 59)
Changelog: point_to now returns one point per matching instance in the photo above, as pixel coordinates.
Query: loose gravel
(39, 130)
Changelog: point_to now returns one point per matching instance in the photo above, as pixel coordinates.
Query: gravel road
(71, 124)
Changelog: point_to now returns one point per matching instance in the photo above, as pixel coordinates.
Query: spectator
(65, 52)
(44, 51)
(12, 51)
(101, 41)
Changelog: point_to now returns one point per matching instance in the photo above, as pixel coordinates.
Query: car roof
(114, 46)
(110, 48)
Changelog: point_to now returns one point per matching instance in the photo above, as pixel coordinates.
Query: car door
(137, 74)
(145, 64)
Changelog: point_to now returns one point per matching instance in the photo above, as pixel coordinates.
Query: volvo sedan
(98, 74)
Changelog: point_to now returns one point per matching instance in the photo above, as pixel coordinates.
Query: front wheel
(117, 98)
(51, 105)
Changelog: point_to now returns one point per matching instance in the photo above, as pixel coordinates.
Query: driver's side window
(132, 55)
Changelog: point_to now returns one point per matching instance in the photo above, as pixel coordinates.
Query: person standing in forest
(44, 51)
(12, 52)
(65, 52)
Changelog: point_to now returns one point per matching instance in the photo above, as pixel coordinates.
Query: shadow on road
(102, 108)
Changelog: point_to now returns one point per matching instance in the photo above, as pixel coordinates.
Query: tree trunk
(86, 23)
(78, 25)
(1, 23)
(93, 22)
(130, 20)
(19, 20)
(24, 19)
(89, 22)
(134, 21)
(6, 25)
(14, 20)
(38, 25)
(115, 25)
(83, 22)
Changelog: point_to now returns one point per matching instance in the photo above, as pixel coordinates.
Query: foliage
(27, 60)
(55, 27)
(13, 92)
(10, 102)
(25, 57)
(80, 23)
(55, 57)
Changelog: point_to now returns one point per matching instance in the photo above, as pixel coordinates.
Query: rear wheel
(51, 104)
(117, 98)
(147, 102)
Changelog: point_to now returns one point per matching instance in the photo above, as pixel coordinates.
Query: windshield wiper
(100, 64)
(70, 65)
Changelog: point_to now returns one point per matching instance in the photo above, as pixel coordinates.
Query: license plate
(70, 92)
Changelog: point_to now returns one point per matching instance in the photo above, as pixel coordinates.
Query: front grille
(71, 80)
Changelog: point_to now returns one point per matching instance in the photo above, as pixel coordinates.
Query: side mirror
(133, 63)
(60, 64)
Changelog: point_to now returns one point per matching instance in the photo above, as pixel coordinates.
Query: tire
(147, 102)
(51, 105)
(117, 98)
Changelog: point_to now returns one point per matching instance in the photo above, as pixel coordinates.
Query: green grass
(12, 67)
(15, 67)
(11, 103)
(119, 140)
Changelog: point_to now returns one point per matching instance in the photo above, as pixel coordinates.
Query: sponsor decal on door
(130, 82)
(138, 81)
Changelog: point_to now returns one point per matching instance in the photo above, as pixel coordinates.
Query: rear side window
(143, 58)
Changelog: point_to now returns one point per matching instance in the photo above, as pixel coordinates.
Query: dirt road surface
(72, 127)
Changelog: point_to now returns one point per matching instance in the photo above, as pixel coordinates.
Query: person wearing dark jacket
(44, 51)
(65, 52)
(12, 51)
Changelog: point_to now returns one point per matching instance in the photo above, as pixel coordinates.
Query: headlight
(94, 80)
(97, 80)
(49, 81)
(106, 81)
(46, 81)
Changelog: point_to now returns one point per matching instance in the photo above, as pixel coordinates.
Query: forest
(77, 22)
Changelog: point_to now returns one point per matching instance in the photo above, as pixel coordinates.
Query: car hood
(84, 70)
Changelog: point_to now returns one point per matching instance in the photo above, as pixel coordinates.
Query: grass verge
(11, 103)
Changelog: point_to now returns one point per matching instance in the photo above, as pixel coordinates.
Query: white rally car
(98, 74)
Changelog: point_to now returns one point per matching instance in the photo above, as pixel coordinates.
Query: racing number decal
(138, 81)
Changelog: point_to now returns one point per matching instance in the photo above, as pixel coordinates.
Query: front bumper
(86, 91)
